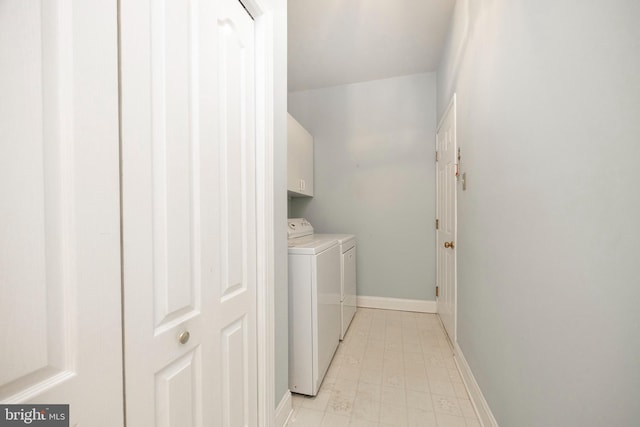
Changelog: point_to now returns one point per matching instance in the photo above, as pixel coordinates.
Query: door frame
(262, 12)
(451, 108)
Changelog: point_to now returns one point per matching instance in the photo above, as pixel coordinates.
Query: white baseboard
(419, 306)
(284, 410)
(477, 398)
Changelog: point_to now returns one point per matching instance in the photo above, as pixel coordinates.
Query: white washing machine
(348, 308)
(314, 305)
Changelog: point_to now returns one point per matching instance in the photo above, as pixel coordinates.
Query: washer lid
(310, 245)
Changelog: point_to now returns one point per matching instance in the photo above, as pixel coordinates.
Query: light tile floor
(393, 369)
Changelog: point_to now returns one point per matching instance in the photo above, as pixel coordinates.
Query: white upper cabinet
(299, 160)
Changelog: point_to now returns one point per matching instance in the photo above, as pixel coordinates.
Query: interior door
(189, 219)
(446, 216)
(59, 214)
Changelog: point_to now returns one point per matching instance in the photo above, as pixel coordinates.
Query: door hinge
(437, 224)
(437, 291)
(437, 156)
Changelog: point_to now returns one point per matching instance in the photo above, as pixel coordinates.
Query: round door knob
(184, 337)
(449, 245)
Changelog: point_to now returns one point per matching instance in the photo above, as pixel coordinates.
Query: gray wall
(280, 202)
(374, 177)
(548, 97)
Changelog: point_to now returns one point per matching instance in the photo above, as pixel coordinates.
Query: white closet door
(59, 215)
(188, 156)
(446, 214)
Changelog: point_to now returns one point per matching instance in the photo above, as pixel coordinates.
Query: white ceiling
(334, 42)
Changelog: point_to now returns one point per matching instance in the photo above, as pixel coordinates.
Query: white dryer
(347, 244)
(314, 305)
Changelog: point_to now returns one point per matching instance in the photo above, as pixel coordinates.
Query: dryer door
(348, 289)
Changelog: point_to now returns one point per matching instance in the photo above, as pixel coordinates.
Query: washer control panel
(298, 227)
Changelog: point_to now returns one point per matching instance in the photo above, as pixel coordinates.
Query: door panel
(233, 147)
(234, 373)
(188, 160)
(177, 396)
(176, 143)
(59, 218)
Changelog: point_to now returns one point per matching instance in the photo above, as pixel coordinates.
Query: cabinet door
(300, 159)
